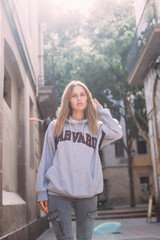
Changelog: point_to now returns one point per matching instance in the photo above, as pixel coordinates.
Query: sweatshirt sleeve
(109, 126)
(46, 161)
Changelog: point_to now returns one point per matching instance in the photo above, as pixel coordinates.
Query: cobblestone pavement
(131, 229)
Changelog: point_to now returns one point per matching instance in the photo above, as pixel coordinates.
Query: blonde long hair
(65, 109)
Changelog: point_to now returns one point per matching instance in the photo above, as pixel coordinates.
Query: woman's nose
(78, 97)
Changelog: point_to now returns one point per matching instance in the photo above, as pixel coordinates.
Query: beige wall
(157, 104)
(149, 88)
(1, 107)
(110, 157)
(26, 19)
(10, 127)
(117, 185)
(20, 143)
(115, 172)
(152, 88)
(150, 79)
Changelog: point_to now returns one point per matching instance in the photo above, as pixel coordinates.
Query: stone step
(121, 213)
(124, 211)
(122, 216)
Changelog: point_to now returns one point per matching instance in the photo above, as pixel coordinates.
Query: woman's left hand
(96, 102)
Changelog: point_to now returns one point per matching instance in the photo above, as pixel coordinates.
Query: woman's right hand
(44, 206)
(96, 103)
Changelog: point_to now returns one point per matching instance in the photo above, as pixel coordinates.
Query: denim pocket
(57, 223)
(52, 215)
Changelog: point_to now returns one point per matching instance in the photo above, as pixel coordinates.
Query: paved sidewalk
(131, 229)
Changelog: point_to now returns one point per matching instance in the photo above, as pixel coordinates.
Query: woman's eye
(80, 95)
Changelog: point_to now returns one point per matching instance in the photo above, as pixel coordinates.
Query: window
(144, 188)
(119, 149)
(7, 88)
(141, 146)
(144, 180)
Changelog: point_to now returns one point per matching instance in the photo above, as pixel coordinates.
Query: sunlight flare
(76, 5)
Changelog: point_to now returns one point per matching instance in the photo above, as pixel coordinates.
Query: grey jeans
(60, 210)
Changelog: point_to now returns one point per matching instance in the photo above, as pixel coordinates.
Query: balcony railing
(147, 20)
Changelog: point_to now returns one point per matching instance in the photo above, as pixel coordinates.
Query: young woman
(70, 172)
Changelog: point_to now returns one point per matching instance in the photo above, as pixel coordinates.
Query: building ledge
(47, 101)
(147, 57)
(12, 198)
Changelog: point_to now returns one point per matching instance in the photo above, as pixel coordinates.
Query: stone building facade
(144, 69)
(23, 95)
(116, 174)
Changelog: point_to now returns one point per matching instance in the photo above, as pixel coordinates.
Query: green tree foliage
(92, 48)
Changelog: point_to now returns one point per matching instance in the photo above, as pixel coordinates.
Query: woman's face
(78, 100)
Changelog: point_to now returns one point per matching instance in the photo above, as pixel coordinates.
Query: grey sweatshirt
(73, 167)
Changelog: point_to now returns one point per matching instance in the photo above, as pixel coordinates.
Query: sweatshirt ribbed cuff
(99, 108)
(42, 196)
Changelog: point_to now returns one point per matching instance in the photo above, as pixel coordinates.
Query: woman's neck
(78, 116)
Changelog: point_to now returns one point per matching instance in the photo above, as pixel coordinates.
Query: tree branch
(142, 118)
(140, 130)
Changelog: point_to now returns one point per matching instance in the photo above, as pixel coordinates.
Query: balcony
(145, 47)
